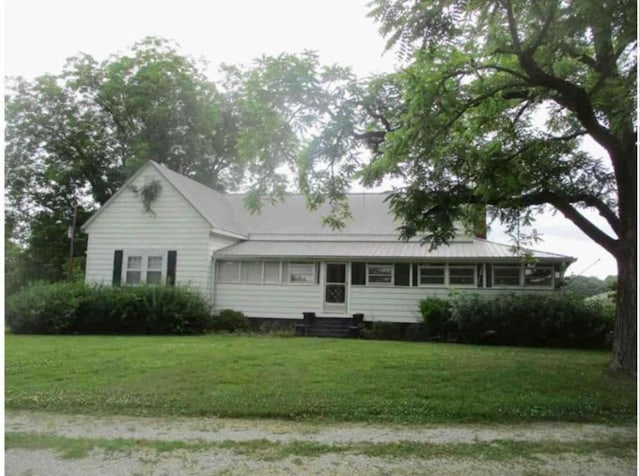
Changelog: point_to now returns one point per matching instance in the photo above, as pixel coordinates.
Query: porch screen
(359, 273)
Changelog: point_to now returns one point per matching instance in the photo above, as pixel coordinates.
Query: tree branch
(462, 194)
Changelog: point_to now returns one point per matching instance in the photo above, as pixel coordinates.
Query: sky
(40, 35)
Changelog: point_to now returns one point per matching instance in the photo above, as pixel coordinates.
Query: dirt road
(49, 444)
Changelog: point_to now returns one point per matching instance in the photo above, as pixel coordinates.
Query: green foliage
(436, 313)
(557, 320)
(148, 193)
(76, 308)
(585, 286)
(382, 330)
(229, 320)
(75, 137)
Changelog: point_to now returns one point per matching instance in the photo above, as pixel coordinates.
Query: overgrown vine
(148, 194)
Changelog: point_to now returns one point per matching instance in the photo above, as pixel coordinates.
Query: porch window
(538, 276)
(379, 274)
(228, 271)
(251, 272)
(359, 273)
(462, 275)
(271, 272)
(402, 274)
(506, 275)
(302, 273)
(433, 274)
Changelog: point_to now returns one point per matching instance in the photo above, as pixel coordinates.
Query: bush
(382, 330)
(76, 308)
(436, 313)
(231, 321)
(556, 320)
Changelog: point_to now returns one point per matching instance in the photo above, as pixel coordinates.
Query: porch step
(330, 327)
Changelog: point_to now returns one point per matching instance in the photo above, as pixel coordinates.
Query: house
(282, 262)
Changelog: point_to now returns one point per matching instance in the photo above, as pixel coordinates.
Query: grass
(313, 379)
(501, 450)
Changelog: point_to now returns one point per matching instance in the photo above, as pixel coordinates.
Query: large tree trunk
(626, 325)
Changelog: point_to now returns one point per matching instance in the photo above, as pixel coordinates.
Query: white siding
(269, 300)
(401, 304)
(217, 242)
(124, 225)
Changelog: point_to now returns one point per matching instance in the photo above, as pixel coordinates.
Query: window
(154, 269)
(538, 276)
(301, 272)
(402, 274)
(144, 268)
(271, 272)
(359, 273)
(228, 271)
(506, 275)
(432, 274)
(251, 272)
(134, 270)
(462, 275)
(379, 274)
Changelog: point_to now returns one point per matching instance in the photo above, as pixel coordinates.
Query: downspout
(213, 281)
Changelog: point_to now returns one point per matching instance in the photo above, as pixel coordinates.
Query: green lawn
(313, 379)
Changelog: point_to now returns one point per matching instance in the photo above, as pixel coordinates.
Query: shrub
(416, 332)
(231, 321)
(557, 320)
(65, 308)
(382, 330)
(436, 313)
(44, 308)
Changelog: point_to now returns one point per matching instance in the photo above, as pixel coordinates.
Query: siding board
(124, 225)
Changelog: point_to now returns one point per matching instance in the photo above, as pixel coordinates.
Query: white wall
(287, 301)
(176, 225)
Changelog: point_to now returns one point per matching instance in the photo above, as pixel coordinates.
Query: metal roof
(370, 215)
(473, 249)
(211, 204)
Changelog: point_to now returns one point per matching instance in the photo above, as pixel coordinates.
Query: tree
(74, 138)
(585, 286)
(496, 101)
(493, 110)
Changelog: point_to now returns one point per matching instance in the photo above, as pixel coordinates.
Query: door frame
(335, 308)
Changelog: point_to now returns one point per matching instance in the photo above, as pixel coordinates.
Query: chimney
(480, 225)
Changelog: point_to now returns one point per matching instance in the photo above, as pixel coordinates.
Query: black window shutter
(415, 274)
(401, 274)
(358, 273)
(117, 268)
(172, 258)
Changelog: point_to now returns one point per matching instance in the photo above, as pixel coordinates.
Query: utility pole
(71, 233)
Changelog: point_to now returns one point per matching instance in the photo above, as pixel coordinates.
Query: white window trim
(540, 286)
(506, 286)
(432, 285)
(264, 270)
(219, 274)
(393, 277)
(301, 283)
(144, 255)
(462, 266)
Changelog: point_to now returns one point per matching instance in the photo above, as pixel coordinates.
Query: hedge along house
(282, 262)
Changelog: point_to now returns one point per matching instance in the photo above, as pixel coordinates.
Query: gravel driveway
(225, 459)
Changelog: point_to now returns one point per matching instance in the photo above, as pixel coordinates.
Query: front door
(335, 288)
